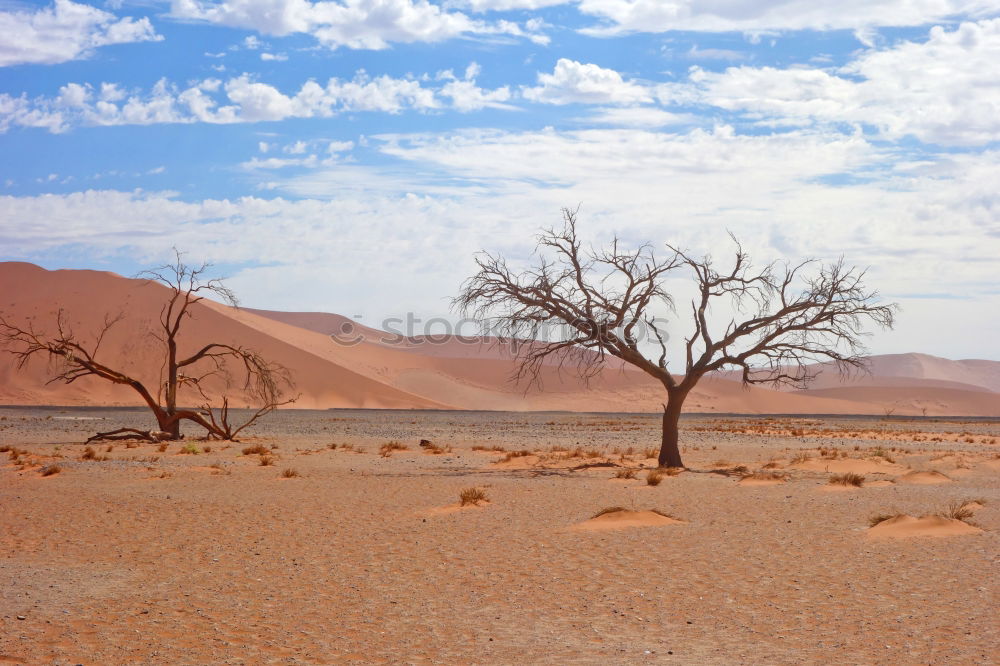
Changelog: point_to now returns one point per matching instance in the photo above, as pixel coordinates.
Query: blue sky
(352, 155)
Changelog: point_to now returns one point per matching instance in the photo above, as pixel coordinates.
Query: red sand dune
(385, 373)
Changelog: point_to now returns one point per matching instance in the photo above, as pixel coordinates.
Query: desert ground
(352, 545)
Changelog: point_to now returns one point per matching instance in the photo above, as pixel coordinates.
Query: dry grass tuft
(847, 479)
(256, 449)
(472, 496)
(386, 449)
(435, 449)
(761, 475)
(881, 518)
(801, 457)
(266, 461)
(654, 477)
(960, 510)
(625, 473)
(879, 452)
(162, 448)
(290, 473)
(515, 454)
(89, 454)
(190, 450)
(49, 470)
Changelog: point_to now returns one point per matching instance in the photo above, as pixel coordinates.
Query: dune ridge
(385, 371)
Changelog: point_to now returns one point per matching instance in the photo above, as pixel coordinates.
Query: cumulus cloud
(241, 99)
(572, 82)
(65, 31)
(355, 24)
(945, 90)
(620, 16)
(465, 95)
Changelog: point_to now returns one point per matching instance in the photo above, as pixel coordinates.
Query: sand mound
(854, 465)
(908, 526)
(624, 518)
(924, 478)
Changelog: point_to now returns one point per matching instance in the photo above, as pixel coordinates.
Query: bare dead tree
(602, 301)
(262, 384)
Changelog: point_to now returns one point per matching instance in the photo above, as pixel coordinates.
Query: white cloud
(572, 82)
(761, 16)
(278, 57)
(506, 5)
(466, 96)
(356, 24)
(695, 53)
(945, 90)
(638, 116)
(65, 31)
(241, 100)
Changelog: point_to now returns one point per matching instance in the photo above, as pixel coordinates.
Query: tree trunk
(174, 428)
(670, 453)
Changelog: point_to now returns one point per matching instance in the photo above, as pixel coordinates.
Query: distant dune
(385, 372)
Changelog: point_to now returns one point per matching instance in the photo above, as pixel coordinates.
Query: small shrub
(266, 461)
(654, 477)
(472, 496)
(847, 479)
(189, 449)
(49, 470)
(800, 457)
(290, 473)
(255, 450)
(89, 454)
(206, 449)
(625, 473)
(162, 448)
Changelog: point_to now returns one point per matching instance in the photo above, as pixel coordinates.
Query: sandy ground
(165, 558)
